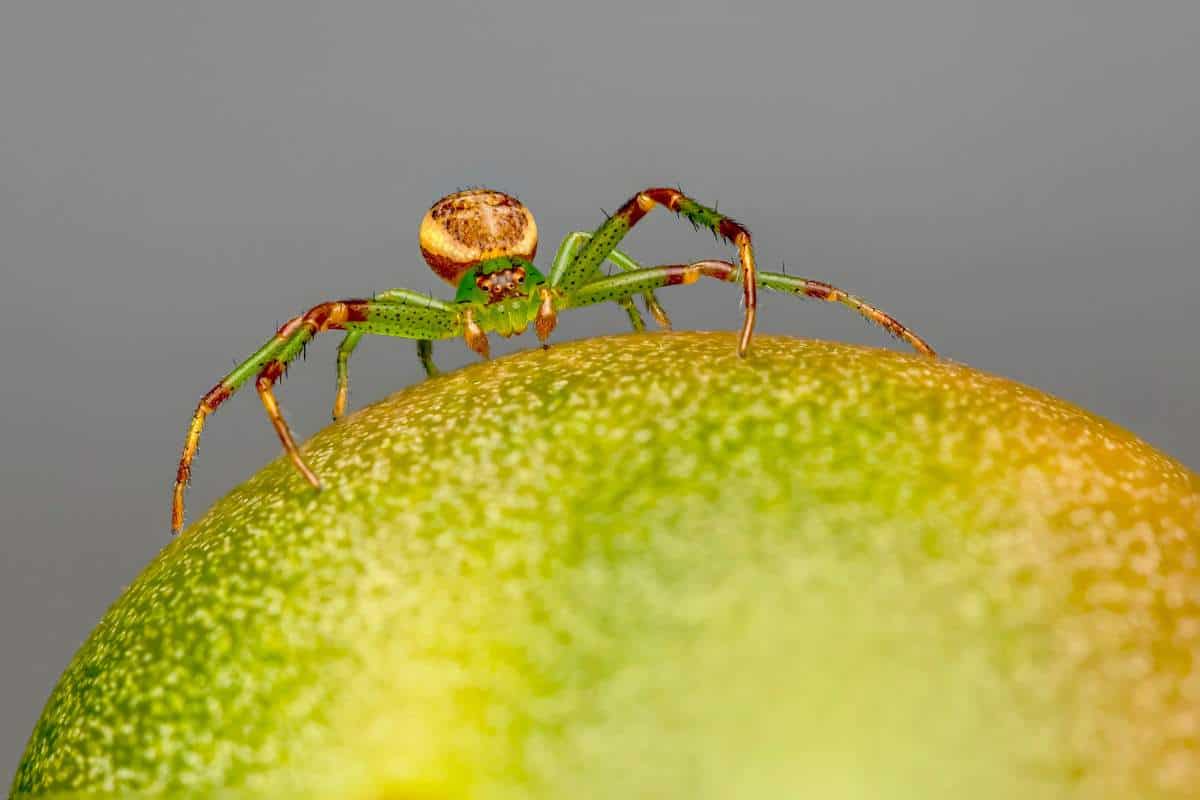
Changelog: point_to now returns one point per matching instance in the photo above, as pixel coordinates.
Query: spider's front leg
(570, 276)
(405, 314)
(567, 252)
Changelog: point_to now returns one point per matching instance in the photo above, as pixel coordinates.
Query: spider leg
(266, 391)
(425, 353)
(819, 290)
(568, 277)
(405, 314)
(424, 346)
(614, 287)
(343, 373)
(652, 305)
(566, 253)
(635, 317)
(346, 348)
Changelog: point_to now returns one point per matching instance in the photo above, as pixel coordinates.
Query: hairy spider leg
(611, 288)
(350, 342)
(583, 268)
(819, 290)
(207, 405)
(405, 314)
(566, 253)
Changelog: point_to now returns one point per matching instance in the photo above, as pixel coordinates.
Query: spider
(483, 243)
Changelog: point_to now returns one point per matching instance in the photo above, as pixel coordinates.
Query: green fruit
(641, 567)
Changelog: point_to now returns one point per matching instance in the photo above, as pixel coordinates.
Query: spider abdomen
(467, 228)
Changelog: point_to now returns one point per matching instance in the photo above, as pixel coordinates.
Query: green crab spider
(483, 242)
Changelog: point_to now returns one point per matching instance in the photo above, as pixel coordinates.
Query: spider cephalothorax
(483, 242)
(504, 295)
(466, 228)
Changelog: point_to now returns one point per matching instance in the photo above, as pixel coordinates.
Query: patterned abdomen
(466, 228)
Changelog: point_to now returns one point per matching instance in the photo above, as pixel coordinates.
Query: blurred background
(1019, 181)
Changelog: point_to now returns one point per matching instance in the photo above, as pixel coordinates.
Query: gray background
(1019, 180)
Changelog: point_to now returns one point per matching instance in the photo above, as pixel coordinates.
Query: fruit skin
(641, 567)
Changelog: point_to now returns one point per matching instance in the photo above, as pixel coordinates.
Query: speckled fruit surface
(640, 567)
